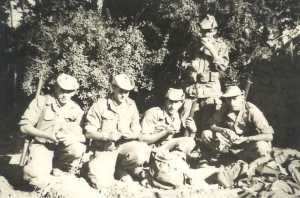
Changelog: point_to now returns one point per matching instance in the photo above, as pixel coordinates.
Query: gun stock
(28, 139)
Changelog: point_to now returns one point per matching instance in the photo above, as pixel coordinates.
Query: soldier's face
(120, 95)
(210, 32)
(235, 103)
(63, 96)
(172, 107)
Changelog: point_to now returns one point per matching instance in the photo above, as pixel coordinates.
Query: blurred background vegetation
(149, 40)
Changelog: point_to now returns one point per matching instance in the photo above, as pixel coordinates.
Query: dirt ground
(12, 185)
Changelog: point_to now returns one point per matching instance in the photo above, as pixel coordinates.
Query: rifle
(28, 139)
(240, 114)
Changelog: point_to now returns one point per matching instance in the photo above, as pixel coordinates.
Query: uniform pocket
(49, 115)
(109, 122)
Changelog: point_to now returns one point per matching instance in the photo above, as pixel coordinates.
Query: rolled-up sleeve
(93, 118)
(33, 112)
(135, 124)
(259, 121)
(149, 121)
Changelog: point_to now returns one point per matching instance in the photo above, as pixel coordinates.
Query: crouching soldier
(54, 123)
(111, 122)
(239, 128)
(160, 126)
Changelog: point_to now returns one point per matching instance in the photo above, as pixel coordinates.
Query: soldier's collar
(56, 106)
(112, 104)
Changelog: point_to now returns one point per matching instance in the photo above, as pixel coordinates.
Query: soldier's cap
(67, 82)
(232, 91)
(175, 94)
(209, 22)
(123, 81)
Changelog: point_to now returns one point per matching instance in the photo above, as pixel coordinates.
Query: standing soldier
(111, 122)
(239, 128)
(54, 123)
(209, 61)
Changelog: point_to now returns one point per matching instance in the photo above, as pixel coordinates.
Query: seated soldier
(160, 125)
(163, 123)
(111, 122)
(54, 123)
(239, 128)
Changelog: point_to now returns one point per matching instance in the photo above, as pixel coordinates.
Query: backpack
(168, 170)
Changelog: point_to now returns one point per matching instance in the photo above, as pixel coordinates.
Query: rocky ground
(12, 185)
(66, 186)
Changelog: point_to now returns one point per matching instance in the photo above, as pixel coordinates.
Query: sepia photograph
(149, 98)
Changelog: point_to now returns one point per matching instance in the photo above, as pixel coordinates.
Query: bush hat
(209, 22)
(67, 82)
(232, 91)
(123, 81)
(175, 94)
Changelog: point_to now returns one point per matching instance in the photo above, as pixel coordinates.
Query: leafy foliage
(90, 49)
(148, 40)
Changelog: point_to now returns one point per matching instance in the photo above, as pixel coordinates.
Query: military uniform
(48, 116)
(106, 117)
(207, 68)
(156, 118)
(157, 121)
(250, 123)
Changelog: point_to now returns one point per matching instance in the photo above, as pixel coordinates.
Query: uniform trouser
(253, 150)
(250, 152)
(210, 89)
(40, 160)
(104, 163)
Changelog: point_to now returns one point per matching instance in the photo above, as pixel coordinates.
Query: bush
(92, 50)
(148, 42)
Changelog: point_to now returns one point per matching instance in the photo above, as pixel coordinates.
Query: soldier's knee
(134, 154)
(187, 144)
(35, 176)
(263, 148)
(77, 150)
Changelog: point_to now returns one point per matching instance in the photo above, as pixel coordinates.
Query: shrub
(92, 50)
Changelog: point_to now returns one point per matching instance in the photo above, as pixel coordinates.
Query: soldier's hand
(171, 131)
(223, 140)
(130, 136)
(190, 124)
(115, 136)
(66, 138)
(207, 136)
(52, 137)
(240, 140)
